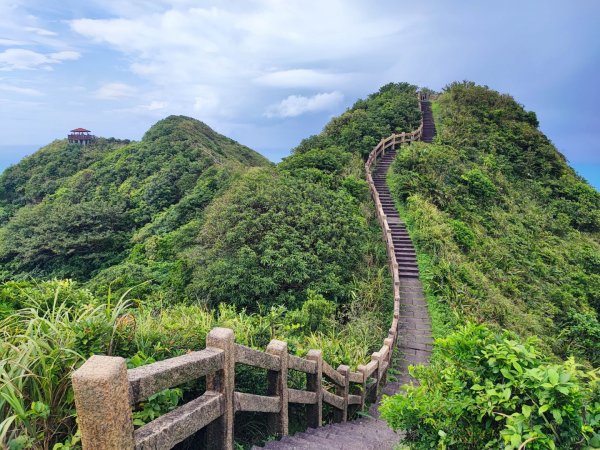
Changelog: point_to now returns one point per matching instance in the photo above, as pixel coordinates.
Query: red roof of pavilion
(80, 130)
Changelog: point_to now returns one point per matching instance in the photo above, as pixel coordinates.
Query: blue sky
(270, 72)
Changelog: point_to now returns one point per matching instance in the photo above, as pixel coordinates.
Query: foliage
(157, 404)
(394, 108)
(55, 326)
(55, 330)
(491, 390)
(273, 236)
(71, 211)
(510, 230)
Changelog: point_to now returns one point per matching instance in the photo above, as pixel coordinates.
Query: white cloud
(296, 105)
(11, 42)
(302, 78)
(154, 106)
(111, 91)
(20, 90)
(20, 59)
(40, 31)
(209, 60)
(66, 55)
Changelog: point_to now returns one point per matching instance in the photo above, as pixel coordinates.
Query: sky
(271, 72)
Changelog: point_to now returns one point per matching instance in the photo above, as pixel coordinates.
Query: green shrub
(580, 336)
(488, 389)
(463, 235)
(331, 160)
(359, 189)
(479, 184)
(271, 237)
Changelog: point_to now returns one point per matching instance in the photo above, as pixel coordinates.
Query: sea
(12, 154)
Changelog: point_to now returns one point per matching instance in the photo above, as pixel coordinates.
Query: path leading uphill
(429, 131)
(414, 343)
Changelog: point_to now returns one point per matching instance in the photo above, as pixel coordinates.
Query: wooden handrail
(105, 390)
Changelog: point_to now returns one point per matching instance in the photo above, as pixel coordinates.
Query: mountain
(70, 210)
(507, 232)
(197, 231)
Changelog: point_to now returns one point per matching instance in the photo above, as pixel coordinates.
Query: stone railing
(106, 391)
(384, 145)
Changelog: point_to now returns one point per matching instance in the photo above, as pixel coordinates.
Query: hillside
(69, 211)
(186, 230)
(192, 238)
(507, 233)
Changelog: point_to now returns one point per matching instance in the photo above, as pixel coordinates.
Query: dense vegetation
(176, 234)
(71, 211)
(506, 234)
(163, 239)
(511, 231)
(490, 390)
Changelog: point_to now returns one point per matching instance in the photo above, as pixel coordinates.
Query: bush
(487, 389)
(273, 236)
(463, 235)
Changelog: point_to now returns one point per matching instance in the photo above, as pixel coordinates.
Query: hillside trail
(414, 344)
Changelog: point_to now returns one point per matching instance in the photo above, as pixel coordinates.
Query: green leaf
(553, 376)
(526, 409)
(544, 408)
(557, 416)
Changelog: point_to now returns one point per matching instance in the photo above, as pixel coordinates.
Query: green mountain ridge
(70, 210)
(192, 230)
(510, 232)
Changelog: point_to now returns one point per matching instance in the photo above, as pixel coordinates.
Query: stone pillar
(341, 415)
(314, 412)
(390, 344)
(363, 393)
(101, 392)
(219, 433)
(277, 386)
(376, 357)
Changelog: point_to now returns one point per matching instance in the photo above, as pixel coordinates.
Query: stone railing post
(314, 412)
(101, 392)
(363, 392)
(341, 415)
(376, 357)
(277, 386)
(220, 432)
(390, 344)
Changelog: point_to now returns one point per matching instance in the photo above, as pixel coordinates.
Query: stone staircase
(429, 131)
(414, 344)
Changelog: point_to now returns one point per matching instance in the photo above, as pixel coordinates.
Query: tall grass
(57, 325)
(41, 345)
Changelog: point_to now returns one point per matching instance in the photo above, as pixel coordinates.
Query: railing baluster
(314, 413)
(341, 415)
(363, 392)
(219, 433)
(277, 385)
(101, 392)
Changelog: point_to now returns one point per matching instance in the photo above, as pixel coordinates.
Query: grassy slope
(507, 232)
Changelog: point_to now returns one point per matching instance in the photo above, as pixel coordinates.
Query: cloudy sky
(270, 72)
